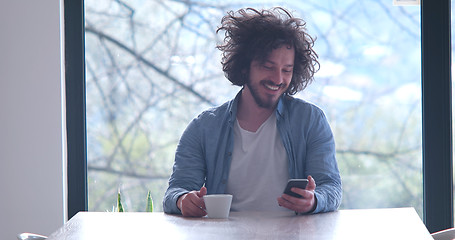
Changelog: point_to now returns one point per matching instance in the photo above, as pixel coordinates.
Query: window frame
(437, 114)
(436, 111)
(77, 193)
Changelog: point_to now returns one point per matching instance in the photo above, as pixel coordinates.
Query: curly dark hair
(252, 35)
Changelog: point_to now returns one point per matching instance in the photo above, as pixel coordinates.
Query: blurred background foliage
(152, 66)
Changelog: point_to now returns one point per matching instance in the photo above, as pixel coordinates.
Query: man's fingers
(193, 210)
(196, 202)
(292, 199)
(311, 184)
(295, 204)
(196, 210)
(202, 192)
(304, 204)
(306, 194)
(193, 205)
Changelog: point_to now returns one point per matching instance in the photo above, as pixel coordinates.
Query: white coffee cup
(218, 205)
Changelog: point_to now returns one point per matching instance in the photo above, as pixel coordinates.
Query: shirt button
(223, 181)
(229, 154)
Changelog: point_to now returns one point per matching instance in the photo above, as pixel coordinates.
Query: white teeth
(271, 87)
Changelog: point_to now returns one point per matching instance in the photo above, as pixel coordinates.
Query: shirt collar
(280, 107)
(233, 107)
(235, 101)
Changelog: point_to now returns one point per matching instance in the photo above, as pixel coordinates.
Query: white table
(394, 223)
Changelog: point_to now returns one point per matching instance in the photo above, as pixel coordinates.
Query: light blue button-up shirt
(204, 153)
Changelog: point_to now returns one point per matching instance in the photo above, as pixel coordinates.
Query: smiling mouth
(272, 86)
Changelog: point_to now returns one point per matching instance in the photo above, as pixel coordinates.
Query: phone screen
(298, 183)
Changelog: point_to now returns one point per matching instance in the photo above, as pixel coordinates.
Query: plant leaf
(149, 207)
(119, 203)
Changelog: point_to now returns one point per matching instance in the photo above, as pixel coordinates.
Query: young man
(250, 146)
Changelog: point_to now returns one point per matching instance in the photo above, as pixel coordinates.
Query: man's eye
(267, 67)
(287, 70)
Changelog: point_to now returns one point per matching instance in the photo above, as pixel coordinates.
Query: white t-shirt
(259, 168)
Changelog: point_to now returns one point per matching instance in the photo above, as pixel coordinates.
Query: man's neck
(249, 114)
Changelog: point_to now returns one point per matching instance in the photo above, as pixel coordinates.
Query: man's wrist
(179, 201)
(314, 205)
(312, 209)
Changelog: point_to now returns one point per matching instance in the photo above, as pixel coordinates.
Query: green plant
(120, 208)
(119, 202)
(149, 207)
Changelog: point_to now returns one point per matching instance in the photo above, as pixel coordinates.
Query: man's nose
(277, 77)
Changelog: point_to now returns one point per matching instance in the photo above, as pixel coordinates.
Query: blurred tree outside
(152, 66)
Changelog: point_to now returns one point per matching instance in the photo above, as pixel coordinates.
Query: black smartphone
(298, 183)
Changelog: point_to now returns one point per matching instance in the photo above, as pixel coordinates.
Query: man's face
(268, 80)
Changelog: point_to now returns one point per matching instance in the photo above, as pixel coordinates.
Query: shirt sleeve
(321, 164)
(188, 170)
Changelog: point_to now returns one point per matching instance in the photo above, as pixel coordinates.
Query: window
(152, 66)
(358, 43)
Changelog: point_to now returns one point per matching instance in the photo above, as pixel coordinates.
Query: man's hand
(300, 205)
(192, 204)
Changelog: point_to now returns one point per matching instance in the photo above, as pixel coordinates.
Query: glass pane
(152, 66)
